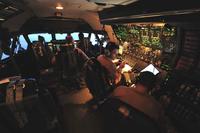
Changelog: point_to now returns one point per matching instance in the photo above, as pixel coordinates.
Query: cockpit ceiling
(71, 8)
(76, 9)
(109, 10)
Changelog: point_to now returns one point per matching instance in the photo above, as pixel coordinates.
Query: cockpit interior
(99, 66)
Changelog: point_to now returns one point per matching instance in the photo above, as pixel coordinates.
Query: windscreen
(34, 37)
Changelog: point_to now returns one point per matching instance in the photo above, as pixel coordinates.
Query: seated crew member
(75, 56)
(43, 53)
(106, 61)
(80, 54)
(72, 62)
(138, 96)
(80, 43)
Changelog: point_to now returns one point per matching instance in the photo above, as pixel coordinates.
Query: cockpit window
(93, 39)
(4, 56)
(23, 43)
(34, 37)
(60, 36)
(100, 36)
(86, 34)
(75, 35)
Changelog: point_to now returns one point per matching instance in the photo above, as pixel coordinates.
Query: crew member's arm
(118, 74)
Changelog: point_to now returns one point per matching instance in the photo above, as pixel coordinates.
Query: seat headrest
(127, 118)
(96, 77)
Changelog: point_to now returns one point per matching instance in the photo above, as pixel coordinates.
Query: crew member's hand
(53, 60)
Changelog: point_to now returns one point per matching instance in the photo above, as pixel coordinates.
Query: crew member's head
(111, 50)
(147, 80)
(41, 39)
(81, 36)
(69, 39)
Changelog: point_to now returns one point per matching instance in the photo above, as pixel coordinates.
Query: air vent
(8, 10)
(11, 9)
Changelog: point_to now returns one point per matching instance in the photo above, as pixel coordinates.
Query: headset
(107, 52)
(146, 78)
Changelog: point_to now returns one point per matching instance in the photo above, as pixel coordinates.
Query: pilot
(138, 96)
(106, 61)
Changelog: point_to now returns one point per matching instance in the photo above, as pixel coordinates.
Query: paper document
(151, 68)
